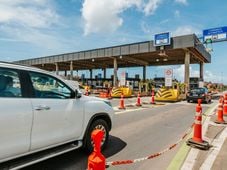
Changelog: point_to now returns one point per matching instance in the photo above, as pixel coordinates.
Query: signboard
(162, 39)
(123, 79)
(168, 77)
(215, 34)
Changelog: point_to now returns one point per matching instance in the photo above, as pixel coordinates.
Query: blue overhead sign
(215, 34)
(162, 39)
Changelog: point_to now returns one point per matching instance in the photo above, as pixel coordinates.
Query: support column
(104, 73)
(115, 73)
(201, 66)
(56, 69)
(144, 73)
(186, 70)
(90, 73)
(71, 70)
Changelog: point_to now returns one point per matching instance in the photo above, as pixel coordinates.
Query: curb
(181, 155)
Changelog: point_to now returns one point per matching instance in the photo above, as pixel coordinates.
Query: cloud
(104, 16)
(151, 6)
(178, 73)
(30, 22)
(184, 2)
(31, 35)
(184, 30)
(214, 78)
(32, 13)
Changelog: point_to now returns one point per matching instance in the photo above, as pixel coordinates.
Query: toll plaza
(164, 50)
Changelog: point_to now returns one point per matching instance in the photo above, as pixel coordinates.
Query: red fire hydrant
(96, 161)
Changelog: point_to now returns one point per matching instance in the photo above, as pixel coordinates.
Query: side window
(9, 83)
(46, 86)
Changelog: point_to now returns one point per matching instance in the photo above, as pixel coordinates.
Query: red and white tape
(123, 162)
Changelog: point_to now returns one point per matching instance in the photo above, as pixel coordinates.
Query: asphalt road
(136, 133)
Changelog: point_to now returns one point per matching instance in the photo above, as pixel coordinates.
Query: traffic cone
(138, 103)
(109, 94)
(86, 93)
(152, 97)
(197, 140)
(225, 106)
(122, 105)
(220, 119)
(96, 161)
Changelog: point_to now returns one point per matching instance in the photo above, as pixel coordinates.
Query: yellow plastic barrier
(126, 91)
(171, 95)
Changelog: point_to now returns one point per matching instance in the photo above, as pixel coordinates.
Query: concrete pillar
(71, 70)
(56, 69)
(115, 73)
(201, 71)
(104, 73)
(186, 70)
(144, 73)
(90, 73)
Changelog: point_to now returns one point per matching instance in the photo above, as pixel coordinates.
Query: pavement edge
(181, 155)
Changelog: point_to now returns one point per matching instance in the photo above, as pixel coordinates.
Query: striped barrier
(152, 156)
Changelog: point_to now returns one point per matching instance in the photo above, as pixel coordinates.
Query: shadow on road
(77, 159)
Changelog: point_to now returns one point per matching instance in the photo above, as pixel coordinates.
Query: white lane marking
(189, 162)
(217, 144)
(192, 156)
(117, 111)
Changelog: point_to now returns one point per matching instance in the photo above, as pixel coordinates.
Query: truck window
(9, 83)
(46, 86)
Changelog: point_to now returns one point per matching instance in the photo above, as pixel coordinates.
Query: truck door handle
(39, 108)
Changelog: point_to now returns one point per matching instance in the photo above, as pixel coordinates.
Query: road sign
(162, 39)
(168, 77)
(123, 78)
(168, 82)
(215, 34)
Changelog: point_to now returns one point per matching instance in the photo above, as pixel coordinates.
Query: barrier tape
(155, 155)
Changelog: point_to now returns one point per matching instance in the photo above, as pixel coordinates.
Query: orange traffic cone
(138, 103)
(197, 140)
(122, 105)
(96, 161)
(225, 106)
(220, 119)
(109, 94)
(152, 97)
(86, 93)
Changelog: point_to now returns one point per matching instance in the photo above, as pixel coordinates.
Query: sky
(37, 28)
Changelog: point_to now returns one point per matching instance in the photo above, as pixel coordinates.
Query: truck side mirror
(78, 94)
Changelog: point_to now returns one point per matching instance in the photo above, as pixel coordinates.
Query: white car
(43, 115)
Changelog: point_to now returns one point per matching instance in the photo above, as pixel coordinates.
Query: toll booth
(101, 82)
(159, 81)
(194, 82)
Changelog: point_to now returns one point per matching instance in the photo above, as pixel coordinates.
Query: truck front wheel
(97, 124)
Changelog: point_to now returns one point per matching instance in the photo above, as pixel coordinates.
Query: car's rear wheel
(97, 124)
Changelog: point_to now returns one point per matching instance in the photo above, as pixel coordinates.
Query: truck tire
(97, 124)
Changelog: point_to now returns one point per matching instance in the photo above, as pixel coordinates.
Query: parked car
(199, 93)
(40, 111)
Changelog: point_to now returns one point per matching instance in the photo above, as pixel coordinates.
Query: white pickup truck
(42, 116)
